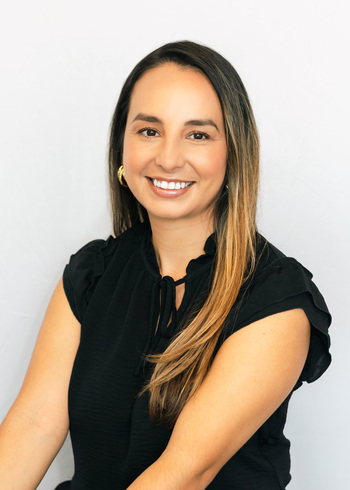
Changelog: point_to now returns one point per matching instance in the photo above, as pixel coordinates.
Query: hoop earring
(121, 176)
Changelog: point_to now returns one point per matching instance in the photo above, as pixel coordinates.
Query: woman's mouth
(170, 185)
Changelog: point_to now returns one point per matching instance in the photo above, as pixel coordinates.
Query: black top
(117, 293)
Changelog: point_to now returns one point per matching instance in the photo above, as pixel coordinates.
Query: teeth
(163, 184)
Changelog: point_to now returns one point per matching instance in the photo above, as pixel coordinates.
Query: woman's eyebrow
(147, 118)
(201, 122)
(192, 122)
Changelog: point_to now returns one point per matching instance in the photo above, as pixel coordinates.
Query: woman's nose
(170, 155)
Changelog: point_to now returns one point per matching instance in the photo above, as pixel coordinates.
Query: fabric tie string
(162, 316)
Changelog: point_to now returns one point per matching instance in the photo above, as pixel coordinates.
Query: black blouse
(116, 292)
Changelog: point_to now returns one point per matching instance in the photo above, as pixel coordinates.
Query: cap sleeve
(83, 271)
(284, 285)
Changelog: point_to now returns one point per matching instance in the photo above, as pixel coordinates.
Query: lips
(170, 185)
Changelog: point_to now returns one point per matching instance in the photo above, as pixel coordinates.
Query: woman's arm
(252, 374)
(37, 424)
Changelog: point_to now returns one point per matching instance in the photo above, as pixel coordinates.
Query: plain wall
(62, 66)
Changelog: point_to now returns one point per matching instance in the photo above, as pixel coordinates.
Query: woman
(181, 340)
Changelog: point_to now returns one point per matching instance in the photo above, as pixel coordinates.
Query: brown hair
(180, 370)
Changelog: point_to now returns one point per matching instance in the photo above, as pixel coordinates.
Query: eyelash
(147, 129)
(205, 136)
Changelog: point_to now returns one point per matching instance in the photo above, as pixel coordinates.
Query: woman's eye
(149, 132)
(198, 135)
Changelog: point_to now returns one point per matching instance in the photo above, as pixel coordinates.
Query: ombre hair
(180, 370)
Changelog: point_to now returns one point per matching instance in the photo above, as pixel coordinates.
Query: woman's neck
(176, 243)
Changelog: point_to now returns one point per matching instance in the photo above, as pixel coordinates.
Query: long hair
(180, 370)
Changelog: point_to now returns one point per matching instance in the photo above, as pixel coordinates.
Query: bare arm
(37, 423)
(252, 374)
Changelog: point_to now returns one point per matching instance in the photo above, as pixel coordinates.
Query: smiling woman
(171, 350)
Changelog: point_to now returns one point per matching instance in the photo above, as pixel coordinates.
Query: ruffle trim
(83, 272)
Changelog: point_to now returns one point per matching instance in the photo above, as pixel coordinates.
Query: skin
(253, 371)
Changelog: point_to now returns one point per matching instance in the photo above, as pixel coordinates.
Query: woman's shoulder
(278, 277)
(95, 255)
(269, 257)
(88, 264)
(277, 274)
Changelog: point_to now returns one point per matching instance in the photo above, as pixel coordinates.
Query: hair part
(180, 370)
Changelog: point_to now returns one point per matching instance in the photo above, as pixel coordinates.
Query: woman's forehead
(175, 90)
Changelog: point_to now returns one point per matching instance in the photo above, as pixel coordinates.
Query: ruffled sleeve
(83, 271)
(282, 284)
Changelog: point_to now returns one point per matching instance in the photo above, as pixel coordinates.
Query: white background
(62, 66)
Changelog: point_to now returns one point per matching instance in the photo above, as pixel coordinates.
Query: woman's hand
(37, 424)
(252, 374)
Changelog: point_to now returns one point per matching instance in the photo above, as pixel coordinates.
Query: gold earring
(121, 176)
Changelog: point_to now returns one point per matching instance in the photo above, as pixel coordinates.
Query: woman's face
(174, 152)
